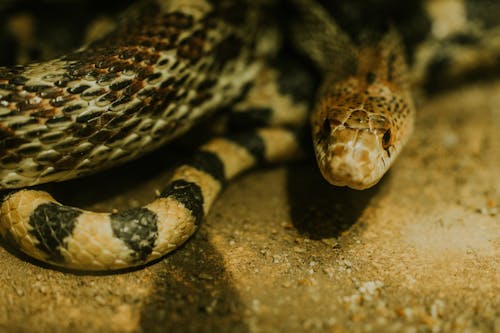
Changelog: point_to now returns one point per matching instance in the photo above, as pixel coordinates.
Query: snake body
(168, 65)
(164, 68)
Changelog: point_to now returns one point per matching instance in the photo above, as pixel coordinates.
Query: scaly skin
(168, 64)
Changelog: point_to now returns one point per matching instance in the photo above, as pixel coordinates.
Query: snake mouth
(354, 158)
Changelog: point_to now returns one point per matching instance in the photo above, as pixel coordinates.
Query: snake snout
(354, 158)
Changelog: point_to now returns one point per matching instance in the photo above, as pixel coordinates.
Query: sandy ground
(282, 250)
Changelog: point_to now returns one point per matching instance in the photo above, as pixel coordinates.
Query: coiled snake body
(166, 67)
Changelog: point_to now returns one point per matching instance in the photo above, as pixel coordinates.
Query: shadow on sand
(320, 210)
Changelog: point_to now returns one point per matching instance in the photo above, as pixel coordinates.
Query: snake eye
(324, 131)
(326, 126)
(386, 139)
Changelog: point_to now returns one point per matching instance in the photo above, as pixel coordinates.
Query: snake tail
(83, 240)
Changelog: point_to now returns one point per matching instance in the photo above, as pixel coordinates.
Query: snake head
(357, 138)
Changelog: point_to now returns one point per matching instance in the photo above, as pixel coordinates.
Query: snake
(167, 66)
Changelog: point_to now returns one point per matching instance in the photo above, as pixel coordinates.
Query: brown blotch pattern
(124, 95)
